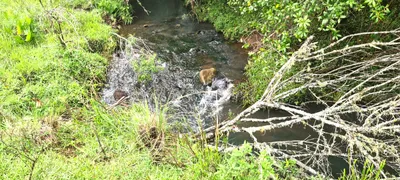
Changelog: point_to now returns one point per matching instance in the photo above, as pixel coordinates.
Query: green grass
(39, 77)
(71, 149)
(52, 125)
(285, 24)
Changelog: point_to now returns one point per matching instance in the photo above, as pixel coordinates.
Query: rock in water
(147, 25)
(220, 84)
(207, 75)
(118, 94)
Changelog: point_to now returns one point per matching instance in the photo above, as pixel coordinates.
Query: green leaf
(324, 21)
(28, 21)
(19, 29)
(28, 36)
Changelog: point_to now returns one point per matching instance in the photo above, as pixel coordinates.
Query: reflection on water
(159, 10)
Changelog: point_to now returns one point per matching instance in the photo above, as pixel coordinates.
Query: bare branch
(361, 80)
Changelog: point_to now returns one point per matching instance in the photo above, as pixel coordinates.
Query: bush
(116, 9)
(283, 25)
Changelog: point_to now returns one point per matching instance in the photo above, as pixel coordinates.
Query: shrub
(283, 25)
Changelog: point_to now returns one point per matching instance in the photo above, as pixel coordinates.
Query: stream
(185, 47)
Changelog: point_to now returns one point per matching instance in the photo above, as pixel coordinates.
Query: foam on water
(180, 88)
(185, 47)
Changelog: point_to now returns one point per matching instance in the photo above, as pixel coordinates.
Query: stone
(118, 94)
(219, 84)
(207, 75)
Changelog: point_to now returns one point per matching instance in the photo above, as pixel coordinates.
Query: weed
(146, 66)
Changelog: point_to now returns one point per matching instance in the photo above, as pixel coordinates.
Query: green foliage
(368, 172)
(112, 10)
(237, 165)
(146, 66)
(70, 149)
(24, 30)
(40, 82)
(241, 164)
(51, 123)
(39, 77)
(116, 9)
(288, 169)
(21, 27)
(94, 35)
(224, 18)
(283, 24)
(260, 68)
(295, 17)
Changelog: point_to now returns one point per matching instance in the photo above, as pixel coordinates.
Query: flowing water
(186, 46)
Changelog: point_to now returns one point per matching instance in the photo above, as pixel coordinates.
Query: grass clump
(119, 144)
(146, 66)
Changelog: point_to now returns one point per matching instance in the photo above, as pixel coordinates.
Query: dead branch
(362, 80)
